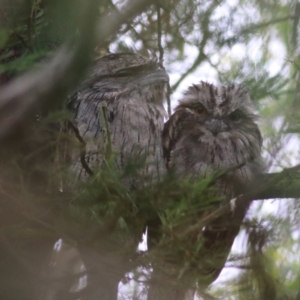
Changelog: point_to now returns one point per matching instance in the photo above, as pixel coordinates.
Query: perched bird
(119, 110)
(118, 116)
(213, 129)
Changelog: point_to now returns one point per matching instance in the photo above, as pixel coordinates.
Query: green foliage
(196, 36)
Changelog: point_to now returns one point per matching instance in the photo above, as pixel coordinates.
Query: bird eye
(199, 110)
(235, 116)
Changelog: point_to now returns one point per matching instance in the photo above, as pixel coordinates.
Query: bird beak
(215, 126)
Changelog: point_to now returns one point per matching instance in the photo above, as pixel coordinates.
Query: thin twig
(161, 55)
(263, 190)
(201, 54)
(255, 27)
(83, 149)
(160, 48)
(110, 24)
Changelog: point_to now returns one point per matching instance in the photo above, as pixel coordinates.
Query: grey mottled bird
(213, 129)
(118, 115)
(119, 110)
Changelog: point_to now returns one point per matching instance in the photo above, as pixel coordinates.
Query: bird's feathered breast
(122, 103)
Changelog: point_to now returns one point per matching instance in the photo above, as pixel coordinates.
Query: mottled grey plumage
(213, 129)
(119, 109)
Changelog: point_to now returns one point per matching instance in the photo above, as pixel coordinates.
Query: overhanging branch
(285, 184)
(50, 83)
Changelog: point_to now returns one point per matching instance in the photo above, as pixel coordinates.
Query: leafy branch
(48, 85)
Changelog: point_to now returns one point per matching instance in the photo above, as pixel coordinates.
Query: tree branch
(285, 184)
(110, 24)
(83, 150)
(51, 82)
(206, 35)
